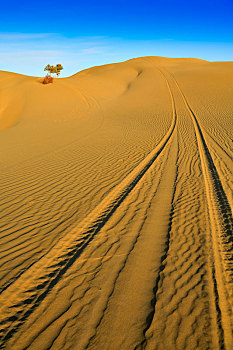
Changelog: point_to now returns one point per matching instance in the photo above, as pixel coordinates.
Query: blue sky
(81, 34)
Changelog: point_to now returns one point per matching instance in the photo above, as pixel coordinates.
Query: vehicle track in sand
(218, 260)
(221, 236)
(180, 278)
(24, 295)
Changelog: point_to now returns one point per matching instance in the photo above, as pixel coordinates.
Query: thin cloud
(28, 53)
(25, 36)
(92, 50)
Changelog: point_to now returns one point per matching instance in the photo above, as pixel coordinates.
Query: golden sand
(116, 208)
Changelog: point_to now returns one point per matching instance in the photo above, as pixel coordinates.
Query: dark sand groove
(180, 300)
(156, 253)
(222, 228)
(69, 249)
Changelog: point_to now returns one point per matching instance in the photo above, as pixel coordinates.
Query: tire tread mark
(164, 256)
(219, 212)
(23, 296)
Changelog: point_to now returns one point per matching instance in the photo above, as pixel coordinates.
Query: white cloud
(28, 53)
(92, 50)
(25, 36)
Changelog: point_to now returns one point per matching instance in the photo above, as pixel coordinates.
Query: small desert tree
(54, 69)
(48, 68)
(58, 69)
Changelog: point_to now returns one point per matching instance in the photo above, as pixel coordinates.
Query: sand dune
(116, 207)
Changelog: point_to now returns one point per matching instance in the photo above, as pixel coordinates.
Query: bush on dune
(48, 79)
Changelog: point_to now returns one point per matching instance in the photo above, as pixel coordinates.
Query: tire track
(183, 309)
(221, 235)
(181, 283)
(153, 233)
(92, 278)
(21, 298)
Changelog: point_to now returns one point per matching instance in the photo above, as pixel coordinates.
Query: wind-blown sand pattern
(116, 208)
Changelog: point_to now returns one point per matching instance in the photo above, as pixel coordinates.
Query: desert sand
(116, 208)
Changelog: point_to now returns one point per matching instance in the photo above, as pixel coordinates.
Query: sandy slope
(116, 208)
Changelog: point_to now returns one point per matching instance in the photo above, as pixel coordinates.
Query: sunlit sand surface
(116, 208)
